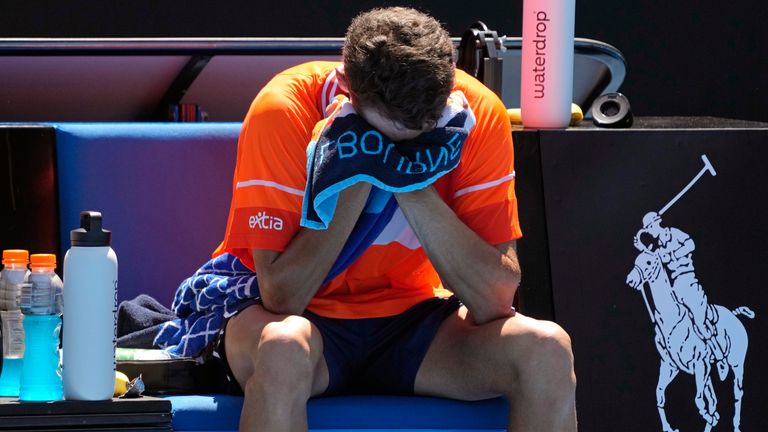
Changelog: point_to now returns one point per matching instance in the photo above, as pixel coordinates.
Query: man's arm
(289, 279)
(484, 277)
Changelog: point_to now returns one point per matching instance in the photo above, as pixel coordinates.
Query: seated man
(378, 327)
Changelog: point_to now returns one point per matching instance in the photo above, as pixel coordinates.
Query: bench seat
(219, 412)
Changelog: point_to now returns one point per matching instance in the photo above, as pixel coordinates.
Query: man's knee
(549, 355)
(555, 343)
(283, 354)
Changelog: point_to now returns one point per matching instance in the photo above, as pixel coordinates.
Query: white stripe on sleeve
(482, 186)
(267, 183)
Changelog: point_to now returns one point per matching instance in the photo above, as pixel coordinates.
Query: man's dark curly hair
(399, 61)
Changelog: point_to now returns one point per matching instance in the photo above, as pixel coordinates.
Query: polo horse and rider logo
(692, 335)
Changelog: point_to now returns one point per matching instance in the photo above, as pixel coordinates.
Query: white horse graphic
(681, 349)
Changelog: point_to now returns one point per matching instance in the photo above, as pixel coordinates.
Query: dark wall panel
(598, 186)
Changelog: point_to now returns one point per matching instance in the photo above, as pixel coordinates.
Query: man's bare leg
(278, 362)
(528, 361)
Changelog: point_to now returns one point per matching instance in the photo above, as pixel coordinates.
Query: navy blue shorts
(373, 355)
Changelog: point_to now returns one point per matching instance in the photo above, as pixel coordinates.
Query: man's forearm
(289, 279)
(483, 277)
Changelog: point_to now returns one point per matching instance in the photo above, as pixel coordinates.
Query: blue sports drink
(40, 372)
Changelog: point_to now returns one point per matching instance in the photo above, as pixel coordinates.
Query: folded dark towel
(139, 320)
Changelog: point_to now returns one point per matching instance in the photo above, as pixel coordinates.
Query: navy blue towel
(139, 321)
(348, 150)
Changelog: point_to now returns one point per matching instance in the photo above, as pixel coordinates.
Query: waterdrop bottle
(40, 372)
(546, 76)
(90, 305)
(12, 277)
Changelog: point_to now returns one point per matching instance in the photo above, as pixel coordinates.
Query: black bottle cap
(90, 233)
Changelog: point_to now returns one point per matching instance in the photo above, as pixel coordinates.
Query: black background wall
(684, 58)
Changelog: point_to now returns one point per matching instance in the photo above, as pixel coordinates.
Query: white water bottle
(90, 312)
(546, 76)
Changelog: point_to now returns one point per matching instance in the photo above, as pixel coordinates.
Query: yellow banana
(576, 115)
(121, 383)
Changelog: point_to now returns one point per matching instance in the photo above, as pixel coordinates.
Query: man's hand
(484, 277)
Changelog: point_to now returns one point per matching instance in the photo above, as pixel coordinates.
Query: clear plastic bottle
(90, 302)
(546, 75)
(40, 373)
(12, 277)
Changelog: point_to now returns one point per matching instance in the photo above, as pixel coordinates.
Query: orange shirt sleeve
(270, 173)
(484, 182)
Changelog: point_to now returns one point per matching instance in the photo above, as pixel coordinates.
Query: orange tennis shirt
(394, 273)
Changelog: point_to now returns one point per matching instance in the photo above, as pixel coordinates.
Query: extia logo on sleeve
(260, 221)
(264, 221)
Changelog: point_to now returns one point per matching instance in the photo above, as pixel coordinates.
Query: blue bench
(351, 413)
(164, 190)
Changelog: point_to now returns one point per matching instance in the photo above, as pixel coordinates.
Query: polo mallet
(707, 168)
